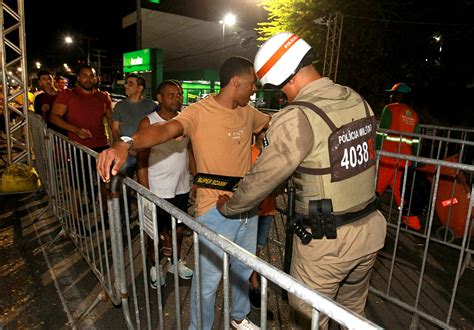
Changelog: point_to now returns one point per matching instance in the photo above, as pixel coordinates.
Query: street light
(229, 20)
(69, 40)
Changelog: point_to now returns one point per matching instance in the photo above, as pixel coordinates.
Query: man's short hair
(233, 66)
(89, 67)
(170, 82)
(43, 73)
(140, 80)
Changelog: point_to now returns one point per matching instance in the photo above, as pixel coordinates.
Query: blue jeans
(243, 232)
(128, 169)
(264, 224)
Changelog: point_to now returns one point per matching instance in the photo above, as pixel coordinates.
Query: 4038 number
(357, 155)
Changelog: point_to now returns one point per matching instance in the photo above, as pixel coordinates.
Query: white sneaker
(153, 277)
(245, 324)
(183, 271)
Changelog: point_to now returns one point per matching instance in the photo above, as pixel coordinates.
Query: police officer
(324, 140)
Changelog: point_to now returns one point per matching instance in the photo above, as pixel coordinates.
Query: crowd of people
(40, 99)
(308, 142)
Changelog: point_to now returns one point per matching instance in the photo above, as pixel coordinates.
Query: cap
(279, 58)
(400, 87)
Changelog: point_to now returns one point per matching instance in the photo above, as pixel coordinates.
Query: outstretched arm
(143, 138)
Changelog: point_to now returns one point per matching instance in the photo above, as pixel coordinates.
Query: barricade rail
(439, 189)
(440, 146)
(460, 133)
(67, 171)
(76, 195)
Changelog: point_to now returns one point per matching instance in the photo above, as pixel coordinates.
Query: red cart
(452, 201)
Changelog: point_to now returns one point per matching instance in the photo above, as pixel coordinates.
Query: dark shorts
(164, 218)
(164, 227)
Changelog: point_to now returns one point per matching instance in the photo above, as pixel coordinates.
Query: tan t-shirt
(221, 140)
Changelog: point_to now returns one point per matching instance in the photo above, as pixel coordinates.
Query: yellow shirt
(221, 140)
(31, 100)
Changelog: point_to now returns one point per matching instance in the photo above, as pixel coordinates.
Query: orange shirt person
(401, 117)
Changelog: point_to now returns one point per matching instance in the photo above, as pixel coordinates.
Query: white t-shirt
(168, 165)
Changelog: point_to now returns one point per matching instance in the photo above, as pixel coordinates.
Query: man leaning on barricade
(220, 128)
(333, 170)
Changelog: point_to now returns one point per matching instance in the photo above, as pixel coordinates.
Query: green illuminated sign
(195, 90)
(137, 61)
(154, 1)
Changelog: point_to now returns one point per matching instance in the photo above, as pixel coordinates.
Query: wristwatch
(128, 140)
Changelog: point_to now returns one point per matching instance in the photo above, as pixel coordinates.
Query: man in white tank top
(164, 169)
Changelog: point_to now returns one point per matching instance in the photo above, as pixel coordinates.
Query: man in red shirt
(81, 112)
(397, 116)
(84, 108)
(45, 99)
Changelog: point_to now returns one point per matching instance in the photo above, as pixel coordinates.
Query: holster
(324, 224)
(321, 220)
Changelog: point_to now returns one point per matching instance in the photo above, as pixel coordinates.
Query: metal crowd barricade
(67, 171)
(38, 129)
(148, 310)
(431, 148)
(447, 227)
(117, 255)
(80, 206)
(443, 148)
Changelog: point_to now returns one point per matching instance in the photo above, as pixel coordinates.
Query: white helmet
(279, 58)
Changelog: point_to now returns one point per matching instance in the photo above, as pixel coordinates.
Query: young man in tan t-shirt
(220, 128)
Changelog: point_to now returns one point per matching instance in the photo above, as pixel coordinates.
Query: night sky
(47, 25)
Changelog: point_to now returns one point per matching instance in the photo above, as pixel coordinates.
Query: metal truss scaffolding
(14, 73)
(333, 44)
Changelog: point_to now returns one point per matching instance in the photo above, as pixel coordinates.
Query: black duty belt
(347, 218)
(214, 181)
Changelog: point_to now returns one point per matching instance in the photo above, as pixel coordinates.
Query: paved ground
(48, 287)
